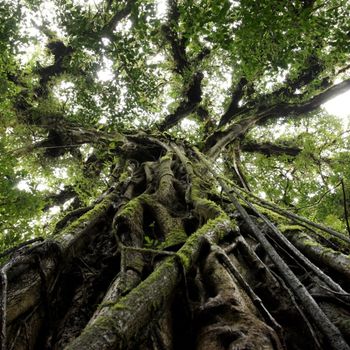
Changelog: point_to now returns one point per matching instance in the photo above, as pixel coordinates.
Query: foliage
(110, 74)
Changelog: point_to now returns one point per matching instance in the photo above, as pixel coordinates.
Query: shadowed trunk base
(155, 264)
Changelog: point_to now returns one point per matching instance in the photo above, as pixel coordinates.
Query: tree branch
(313, 67)
(107, 30)
(285, 109)
(188, 105)
(61, 53)
(268, 148)
(233, 108)
(219, 139)
(345, 206)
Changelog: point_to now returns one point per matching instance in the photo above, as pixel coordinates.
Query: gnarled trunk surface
(162, 262)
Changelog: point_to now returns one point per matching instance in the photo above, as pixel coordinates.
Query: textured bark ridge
(161, 261)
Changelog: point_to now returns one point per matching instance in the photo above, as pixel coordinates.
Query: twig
(345, 206)
(319, 200)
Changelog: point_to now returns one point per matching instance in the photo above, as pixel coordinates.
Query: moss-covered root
(166, 193)
(328, 257)
(74, 236)
(122, 324)
(228, 318)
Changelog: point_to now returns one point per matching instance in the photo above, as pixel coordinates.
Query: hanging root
(333, 336)
(156, 265)
(226, 318)
(120, 324)
(325, 256)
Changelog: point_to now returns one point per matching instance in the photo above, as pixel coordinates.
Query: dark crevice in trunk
(81, 287)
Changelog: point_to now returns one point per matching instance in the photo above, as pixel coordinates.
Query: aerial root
(225, 260)
(226, 317)
(325, 256)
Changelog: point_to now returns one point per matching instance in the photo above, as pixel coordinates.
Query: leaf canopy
(242, 80)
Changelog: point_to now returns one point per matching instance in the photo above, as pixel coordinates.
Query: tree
(212, 236)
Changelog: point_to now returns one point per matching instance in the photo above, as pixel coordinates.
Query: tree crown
(241, 80)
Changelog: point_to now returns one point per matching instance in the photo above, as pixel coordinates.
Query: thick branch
(285, 109)
(313, 67)
(177, 42)
(233, 108)
(107, 30)
(60, 52)
(312, 70)
(269, 149)
(216, 142)
(220, 139)
(60, 198)
(188, 105)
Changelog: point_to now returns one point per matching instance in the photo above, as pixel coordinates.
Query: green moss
(142, 289)
(186, 252)
(273, 216)
(119, 306)
(311, 243)
(89, 217)
(168, 156)
(147, 199)
(287, 228)
(111, 303)
(174, 237)
(130, 208)
(123, 176)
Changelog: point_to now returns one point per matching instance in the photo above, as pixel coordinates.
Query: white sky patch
(289, 176)
(156, 59)
(42, 187)
(23, 185)
(105, 41)
(279, 78)
(67, 203)
(86, 151)
(262, 194)
(106, 73)
(61, 173)
(87, 3)
(340, 107)
(137, 122)
(103, 120)
(123, 26)
(188, 124)
(54, 210)
(63, 91)
(235, 3)
(217, 85)
(162, 8)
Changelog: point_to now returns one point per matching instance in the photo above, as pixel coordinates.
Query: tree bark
(155, 264)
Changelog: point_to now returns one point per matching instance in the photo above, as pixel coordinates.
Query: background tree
(169, 179)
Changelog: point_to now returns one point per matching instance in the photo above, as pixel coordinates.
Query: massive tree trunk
(161, 261)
